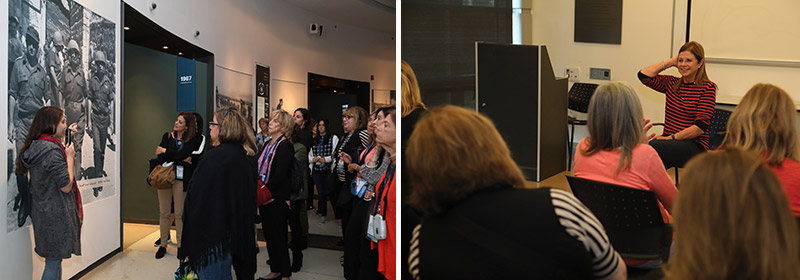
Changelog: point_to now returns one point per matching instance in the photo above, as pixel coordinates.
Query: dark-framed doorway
(328, 97)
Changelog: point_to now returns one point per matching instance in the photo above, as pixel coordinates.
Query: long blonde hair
(233, 128)
(615, 121)
(455, 166)
(732, 221)
(411, 99)
(765, 122)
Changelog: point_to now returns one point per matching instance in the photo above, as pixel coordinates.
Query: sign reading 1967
(186, 79)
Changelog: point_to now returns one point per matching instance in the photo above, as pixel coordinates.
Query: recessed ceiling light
(165, 47)
(180, 53)
(126, 28)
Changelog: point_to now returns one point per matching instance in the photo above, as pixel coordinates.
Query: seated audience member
(616, 151)
(765, 122)
(479, 221)
(732, 221)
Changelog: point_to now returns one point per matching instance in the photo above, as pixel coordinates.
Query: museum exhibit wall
(241, 33)
(150, 110)
(95, 26)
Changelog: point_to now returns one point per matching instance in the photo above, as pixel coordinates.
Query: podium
(516, 88)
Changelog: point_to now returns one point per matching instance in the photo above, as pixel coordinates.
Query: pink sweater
(647, 172)
(789, 175)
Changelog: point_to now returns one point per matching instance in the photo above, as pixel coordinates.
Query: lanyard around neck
(268, 152)
(382, 187)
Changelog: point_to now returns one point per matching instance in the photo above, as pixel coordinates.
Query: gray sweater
(56, 228)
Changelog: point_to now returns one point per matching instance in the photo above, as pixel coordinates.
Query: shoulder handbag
(162, 177)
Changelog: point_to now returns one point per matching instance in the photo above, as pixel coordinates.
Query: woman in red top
(765, 122)
(689, 106)
(386, 196)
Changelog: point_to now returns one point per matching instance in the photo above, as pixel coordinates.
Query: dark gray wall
(150, 95)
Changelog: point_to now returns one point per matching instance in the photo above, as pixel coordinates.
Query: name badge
(179, 172)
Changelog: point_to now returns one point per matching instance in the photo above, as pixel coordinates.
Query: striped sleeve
(413, 256)
(581, 224)
(706, 106)
(364, 137)
(660, 83)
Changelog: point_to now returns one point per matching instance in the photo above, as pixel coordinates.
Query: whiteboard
(748, 42)
(747, 29)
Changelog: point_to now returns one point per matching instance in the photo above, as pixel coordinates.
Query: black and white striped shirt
(576, 220)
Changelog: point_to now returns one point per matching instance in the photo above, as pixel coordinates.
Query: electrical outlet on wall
(572, 73)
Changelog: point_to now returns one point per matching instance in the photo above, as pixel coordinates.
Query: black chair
(716, 132)
(579, 96)
(718, 128)
(631, 217)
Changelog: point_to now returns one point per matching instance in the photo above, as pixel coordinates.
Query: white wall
(274, 33)
(646, 39)
(101, 226)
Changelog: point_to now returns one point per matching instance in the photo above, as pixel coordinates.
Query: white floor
(137, 260)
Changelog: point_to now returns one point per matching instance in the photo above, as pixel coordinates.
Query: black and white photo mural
(233, 90)
(62, 54)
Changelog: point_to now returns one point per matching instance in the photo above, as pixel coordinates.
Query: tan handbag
(162, 177)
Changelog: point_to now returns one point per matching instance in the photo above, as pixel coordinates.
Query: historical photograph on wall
(61, 54)
(233, 90)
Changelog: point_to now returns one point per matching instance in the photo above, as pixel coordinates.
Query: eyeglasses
(212, 124)
(347, 117)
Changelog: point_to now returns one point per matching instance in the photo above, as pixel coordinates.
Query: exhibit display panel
(66, 54)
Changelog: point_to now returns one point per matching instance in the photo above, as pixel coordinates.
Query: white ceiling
(376, 15)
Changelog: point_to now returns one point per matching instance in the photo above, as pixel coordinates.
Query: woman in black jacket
(220, 201)
(176, 148)
(354, 140)
(274, 167)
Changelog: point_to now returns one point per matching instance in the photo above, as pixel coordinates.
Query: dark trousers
(299, 233)
(310, 198)
(244, 267)
(273, 223)
(675, 153)
(360, 262)
(320, 178)
(99, 136)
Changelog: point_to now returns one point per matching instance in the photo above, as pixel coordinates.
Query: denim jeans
(220, 269)
(52, 269)
(320, 179)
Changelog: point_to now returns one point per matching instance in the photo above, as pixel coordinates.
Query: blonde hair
(456, 166)
(359, 114)
(615, 121)
(732, 221)
(286, 121)
(234, 128)
(701, 77)
(411, 99)
(765, 122)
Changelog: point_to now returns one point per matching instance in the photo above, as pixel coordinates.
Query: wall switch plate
(600, 73)
(572, 73)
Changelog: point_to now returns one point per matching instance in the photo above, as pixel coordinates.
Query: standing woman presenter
(690, 101)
